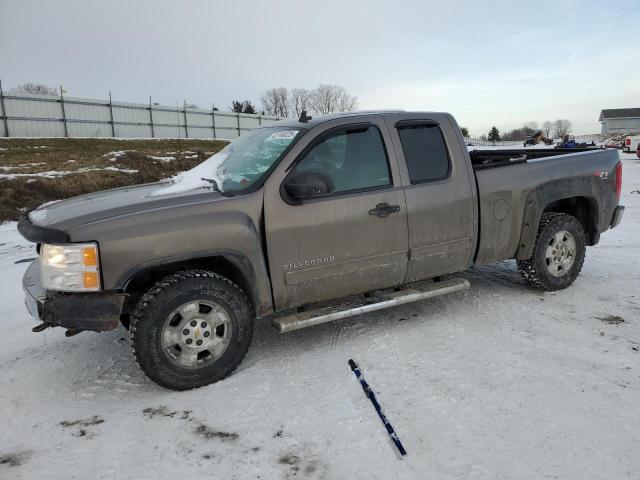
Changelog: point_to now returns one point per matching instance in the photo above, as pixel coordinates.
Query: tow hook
(40, 328)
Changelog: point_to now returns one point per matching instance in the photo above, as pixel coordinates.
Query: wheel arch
(574, 197)
(232, 265)
(584, 209)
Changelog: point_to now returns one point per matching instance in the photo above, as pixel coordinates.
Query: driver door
(346, 231)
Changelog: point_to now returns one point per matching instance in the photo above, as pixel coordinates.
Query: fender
(129, 245)
(542, 196)
(240, 262)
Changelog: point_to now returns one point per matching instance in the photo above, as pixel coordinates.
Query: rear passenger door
(440, 195)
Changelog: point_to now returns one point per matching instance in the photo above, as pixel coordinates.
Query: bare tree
(562, 127)
(532, 126)
(332, 98)
(275, 101)
(36, 88)
(299, 100)
(547, 126)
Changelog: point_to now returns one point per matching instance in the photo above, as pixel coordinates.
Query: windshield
(237, 166)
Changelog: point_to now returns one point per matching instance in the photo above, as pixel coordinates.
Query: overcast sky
(488, 63)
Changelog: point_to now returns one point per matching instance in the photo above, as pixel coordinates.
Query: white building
(620, 120)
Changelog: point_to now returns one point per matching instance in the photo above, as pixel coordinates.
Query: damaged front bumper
(95, 311)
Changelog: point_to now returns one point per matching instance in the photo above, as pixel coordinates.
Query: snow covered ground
(498, 382)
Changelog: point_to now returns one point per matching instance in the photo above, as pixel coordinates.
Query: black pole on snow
(370, 395)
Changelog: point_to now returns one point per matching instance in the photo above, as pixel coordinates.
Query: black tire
(155, 307)
(535, 269)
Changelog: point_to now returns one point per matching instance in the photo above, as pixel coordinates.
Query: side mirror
(297, 191)
(308, 184)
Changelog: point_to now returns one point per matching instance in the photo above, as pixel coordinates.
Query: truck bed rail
(482, 159)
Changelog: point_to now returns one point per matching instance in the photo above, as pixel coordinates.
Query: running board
(378, 301)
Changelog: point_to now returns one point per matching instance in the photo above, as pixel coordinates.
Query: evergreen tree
(494, 134)
(244, 106)
(236, 106)
(248, 107)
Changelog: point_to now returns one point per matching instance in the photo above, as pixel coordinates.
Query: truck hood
(63, 214)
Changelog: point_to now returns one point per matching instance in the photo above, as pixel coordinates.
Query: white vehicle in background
(631, 143)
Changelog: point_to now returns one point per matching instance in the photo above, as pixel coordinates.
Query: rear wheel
(558, 254)
(190, 329)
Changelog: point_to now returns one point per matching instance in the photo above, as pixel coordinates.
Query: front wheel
(558, 254)
(191, 329)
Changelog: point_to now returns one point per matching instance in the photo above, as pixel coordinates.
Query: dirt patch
(81, 426)
(208, 433)
(297, 465)
(87, 422)
(161, 411)
(14, 459)
(88, 165)
(289, 459)
(612, 319)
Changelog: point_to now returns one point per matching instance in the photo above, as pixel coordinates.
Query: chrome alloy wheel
(196, 334)
(561, 253)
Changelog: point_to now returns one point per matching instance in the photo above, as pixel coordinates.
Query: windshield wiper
(214, 184)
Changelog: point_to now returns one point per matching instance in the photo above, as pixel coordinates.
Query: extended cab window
(353, 158)
(425, 152)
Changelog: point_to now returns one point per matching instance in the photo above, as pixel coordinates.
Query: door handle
(384, 210)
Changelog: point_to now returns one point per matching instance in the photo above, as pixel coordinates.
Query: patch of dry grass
(31, 156)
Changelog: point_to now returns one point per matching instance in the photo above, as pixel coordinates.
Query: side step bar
(379, 301)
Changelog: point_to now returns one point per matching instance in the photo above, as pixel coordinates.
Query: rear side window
(425, 152)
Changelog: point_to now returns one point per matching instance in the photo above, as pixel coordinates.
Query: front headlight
(70, 267)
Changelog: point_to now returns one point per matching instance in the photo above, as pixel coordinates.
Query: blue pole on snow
(370, 395)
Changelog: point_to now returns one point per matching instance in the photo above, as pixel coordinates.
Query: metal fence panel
(130, 115)
(31, 108)
(199, 118)
(29, 115)
(133, 131)
(169, 132)
(82, 111)
(166, 117)
(88, 129)
(36, 128)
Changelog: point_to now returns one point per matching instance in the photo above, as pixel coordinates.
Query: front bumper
(617, 216)
(96, 311)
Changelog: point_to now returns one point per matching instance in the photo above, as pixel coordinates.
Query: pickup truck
(304, 222)
(631, 143)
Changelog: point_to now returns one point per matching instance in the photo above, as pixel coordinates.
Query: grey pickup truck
(304, 222)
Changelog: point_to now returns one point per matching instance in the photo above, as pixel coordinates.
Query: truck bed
(482, 159)
(506, 195)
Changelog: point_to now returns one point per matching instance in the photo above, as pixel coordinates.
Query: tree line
(283, 102)
(278, 102)
(556, 129)
(322, 100)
